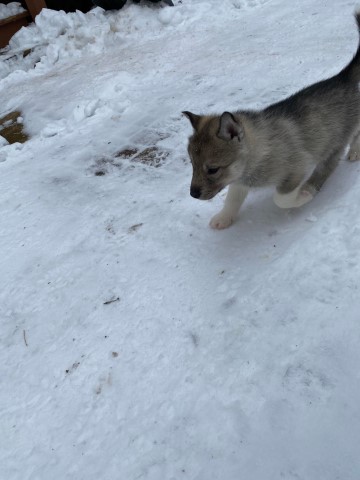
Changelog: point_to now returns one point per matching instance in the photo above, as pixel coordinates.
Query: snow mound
(11, 9)
(56, 36)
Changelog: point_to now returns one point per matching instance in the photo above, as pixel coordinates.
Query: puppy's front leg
(234, 199)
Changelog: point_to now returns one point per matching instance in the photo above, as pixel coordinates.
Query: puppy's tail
(352, 71)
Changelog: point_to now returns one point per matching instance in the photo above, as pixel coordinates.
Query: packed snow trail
(137, 343)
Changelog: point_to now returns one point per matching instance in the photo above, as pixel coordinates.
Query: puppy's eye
(212, 171)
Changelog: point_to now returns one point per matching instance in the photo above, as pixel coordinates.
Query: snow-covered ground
(11, 9)
(136, 342)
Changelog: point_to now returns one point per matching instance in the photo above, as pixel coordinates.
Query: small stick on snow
(24, 335)
(112, 301)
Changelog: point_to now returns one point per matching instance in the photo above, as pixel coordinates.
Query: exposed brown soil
(152, 156)
(11, 129)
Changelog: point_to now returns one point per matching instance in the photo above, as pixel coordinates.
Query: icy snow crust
(137, 343)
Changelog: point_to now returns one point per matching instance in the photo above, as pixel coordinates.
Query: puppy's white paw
(221, 220)
(304, 196)
(295, 199)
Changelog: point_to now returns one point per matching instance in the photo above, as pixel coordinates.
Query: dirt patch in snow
(151, 156)
(12, 128)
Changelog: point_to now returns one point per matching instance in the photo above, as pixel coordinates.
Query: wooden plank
(13, 18)
(35, 7)
(9, 26)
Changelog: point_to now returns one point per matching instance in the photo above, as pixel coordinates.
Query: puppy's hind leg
(303, 194)
(321, 173)
(234, 199)
(289, 193)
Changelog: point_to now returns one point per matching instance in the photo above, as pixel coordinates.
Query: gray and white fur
(293, 145)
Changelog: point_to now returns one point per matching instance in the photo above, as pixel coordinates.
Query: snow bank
(10, 9)
(57, 36)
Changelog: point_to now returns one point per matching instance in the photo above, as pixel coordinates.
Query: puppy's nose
(195, 192)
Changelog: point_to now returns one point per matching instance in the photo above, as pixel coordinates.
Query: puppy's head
(214, 149)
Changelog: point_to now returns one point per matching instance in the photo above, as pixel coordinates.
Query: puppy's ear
(194, 119)
(230, 127)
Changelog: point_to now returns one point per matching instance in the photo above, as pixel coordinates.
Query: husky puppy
(294, 144)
